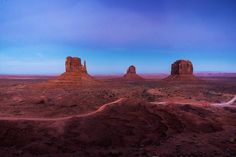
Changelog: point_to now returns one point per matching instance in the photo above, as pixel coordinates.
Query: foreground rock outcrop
(76, 73)
(182, 70)
(131, 74)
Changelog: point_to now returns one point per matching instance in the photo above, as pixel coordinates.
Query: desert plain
(118, 118)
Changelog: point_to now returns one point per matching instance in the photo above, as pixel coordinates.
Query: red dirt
(117, 119)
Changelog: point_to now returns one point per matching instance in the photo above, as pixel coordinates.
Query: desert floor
(117, 118)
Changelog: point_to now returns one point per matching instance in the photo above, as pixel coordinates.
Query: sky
(37, 35)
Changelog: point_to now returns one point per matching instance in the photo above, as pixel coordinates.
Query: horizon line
(111, 74)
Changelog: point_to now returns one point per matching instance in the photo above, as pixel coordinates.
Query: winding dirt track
(229, 103)
(224, 104)
(62, 118)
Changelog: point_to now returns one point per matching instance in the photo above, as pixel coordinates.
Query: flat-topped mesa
(131, 74)
(76, 73)
(182, 67)
(182, 70)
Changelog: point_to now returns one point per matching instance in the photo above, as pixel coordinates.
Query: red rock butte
(182, 70)
(131, 74)
(76, 73)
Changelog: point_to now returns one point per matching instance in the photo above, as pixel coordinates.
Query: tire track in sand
(100, 109)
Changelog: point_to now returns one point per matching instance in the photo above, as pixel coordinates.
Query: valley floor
(118, 118)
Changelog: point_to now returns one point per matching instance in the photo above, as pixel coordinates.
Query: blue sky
(36, 36)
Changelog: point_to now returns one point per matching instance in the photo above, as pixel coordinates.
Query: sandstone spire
(85, 67)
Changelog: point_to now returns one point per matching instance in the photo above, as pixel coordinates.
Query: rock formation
(182, 70)
(73, 64)
(76, 73)
(131, 74)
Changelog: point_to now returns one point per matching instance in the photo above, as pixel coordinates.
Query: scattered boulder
(76, 73)
(131, 74)
(182, 70)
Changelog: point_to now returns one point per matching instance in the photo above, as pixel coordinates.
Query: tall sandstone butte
(73, 64)
(76, 73)
(131, 74)
(182, 70)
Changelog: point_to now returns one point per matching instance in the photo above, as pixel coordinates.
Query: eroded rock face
(131, 70)
(131, 74)
(73, 64)
(182, 70)
(76, 73)
(182, 67)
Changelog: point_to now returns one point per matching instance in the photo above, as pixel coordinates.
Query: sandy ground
(117, 118)
(100, 109)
